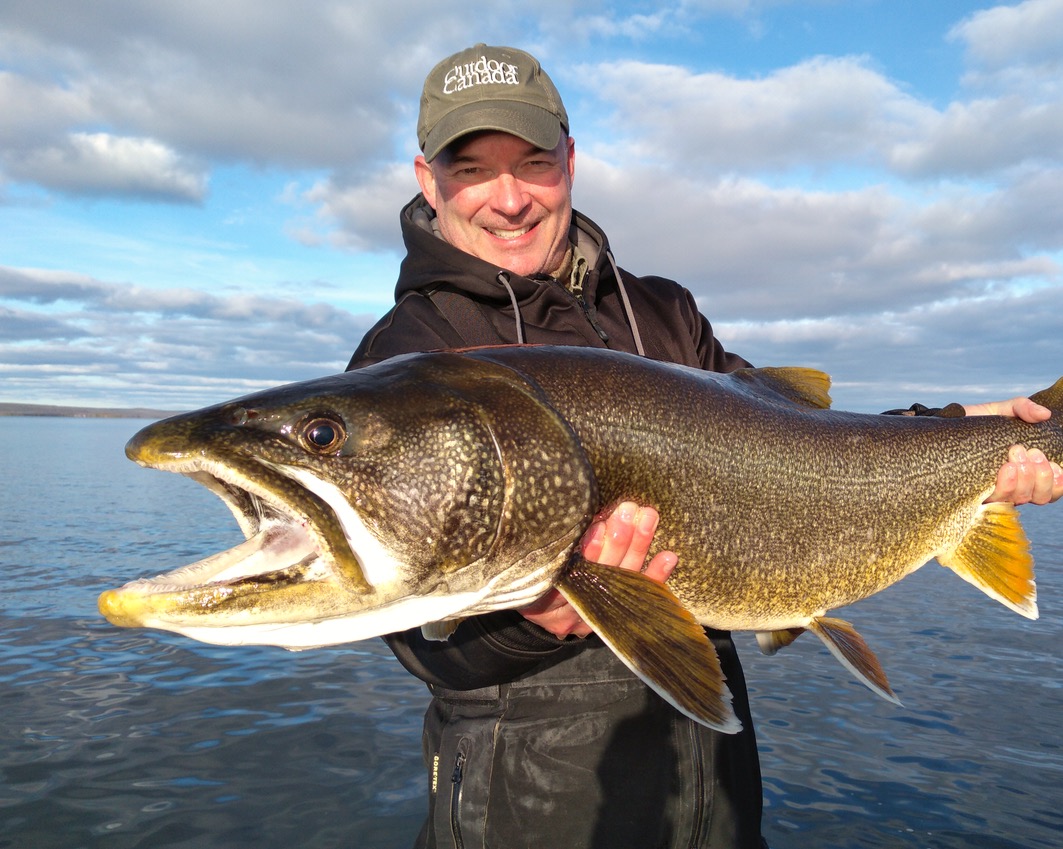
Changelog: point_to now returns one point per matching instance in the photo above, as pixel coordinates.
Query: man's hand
(620, 539)
(1027, 477)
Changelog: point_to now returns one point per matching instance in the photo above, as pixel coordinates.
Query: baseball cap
(489, 88)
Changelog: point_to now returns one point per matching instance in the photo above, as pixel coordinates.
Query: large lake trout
(437, 486)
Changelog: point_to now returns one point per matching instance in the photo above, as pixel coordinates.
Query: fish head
(420, 489)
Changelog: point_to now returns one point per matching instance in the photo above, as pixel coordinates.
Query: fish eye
(323, 434)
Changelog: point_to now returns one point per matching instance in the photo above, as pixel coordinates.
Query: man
(536, 738)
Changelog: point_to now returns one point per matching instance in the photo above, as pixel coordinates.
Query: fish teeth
(275, 547)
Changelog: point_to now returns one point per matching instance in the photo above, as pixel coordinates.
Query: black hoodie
(531, 740)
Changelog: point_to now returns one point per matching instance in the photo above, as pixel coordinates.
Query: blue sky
(198, 200)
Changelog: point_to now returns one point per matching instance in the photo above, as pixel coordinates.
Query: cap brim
(534, 124)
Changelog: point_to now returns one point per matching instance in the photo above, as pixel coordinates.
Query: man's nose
(509, 196)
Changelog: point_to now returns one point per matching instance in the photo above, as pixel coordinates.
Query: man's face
(503, 200)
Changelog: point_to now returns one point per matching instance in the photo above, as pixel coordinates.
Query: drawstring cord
(503, 278)
(628, 311)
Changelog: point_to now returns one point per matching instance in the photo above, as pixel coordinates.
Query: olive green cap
(489, 88)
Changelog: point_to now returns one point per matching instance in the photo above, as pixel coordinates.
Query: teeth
(509, 234)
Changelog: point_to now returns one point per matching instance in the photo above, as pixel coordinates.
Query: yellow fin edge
(995, 557)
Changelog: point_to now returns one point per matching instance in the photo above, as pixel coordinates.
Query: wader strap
(465, 316)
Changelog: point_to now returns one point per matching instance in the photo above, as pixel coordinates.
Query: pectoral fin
(995, 557)
(855, 655)
(648, 628)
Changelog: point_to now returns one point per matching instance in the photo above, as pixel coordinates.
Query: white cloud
(636, 27)
(984, 135)
(821, 111)
(65, 289)
(363, 215)
(292, 85)
(1028, 33)
(199, 348)
(827, 113)
(758, 250)
(300, 84)
(21, 325)
(103, 164)
(979, 349)
(35, 111)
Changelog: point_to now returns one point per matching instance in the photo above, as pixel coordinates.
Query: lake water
(120, 739)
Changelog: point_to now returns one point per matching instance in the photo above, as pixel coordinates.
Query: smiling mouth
(509, 235)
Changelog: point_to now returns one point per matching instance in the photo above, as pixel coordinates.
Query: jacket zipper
(456, 779)
(589, 311)
(580, 273)
(592, 316)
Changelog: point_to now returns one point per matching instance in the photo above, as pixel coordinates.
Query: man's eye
(469, 174)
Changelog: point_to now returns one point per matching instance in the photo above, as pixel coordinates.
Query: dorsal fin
(807, 387)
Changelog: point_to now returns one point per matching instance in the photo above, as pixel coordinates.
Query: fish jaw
(296, 564)
(260, 493)
(276, 553)
(280, 587)
(271, 589)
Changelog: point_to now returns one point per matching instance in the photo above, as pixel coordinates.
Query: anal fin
(854, 654)
(995, 557)
(658, 639)
(441, 630)
(771, 641)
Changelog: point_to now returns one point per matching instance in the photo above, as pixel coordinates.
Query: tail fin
(1051, 397)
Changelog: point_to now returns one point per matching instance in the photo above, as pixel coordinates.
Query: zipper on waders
(697, 761)
(456, 778)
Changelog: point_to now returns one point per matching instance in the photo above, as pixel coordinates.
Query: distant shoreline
(57, 411)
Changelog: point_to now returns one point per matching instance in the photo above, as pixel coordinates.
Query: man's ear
(570, 160)
(426, 179)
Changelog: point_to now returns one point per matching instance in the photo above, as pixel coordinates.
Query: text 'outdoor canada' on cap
(489, 88)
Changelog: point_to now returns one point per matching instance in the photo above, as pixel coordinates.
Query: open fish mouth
(280, 551)
(293, 539)
(277, 541)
